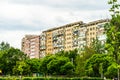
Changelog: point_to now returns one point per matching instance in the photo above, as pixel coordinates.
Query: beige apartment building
(31, 45)
(60, 38)
(66, 37)
(95, 30)
(72, 36)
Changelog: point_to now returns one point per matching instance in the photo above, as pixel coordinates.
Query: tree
(97, 46)
(67, 69)
(112, 70)
(81, 59)
(21, 68)
(98, 64)
(60, 66)
(9, 58)
(4, 46)
(72, 54)
(34, 65)
(113, 32)
(44, 62)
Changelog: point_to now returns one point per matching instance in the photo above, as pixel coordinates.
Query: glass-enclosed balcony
(76, 32)
(42, 47)
(75, 43)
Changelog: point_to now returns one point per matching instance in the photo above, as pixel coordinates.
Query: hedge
(51, 78)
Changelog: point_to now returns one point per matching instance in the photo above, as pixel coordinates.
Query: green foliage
(54, 65)
(34, 65)
(44, 62)
(21, 68)
(112, 71)
(113, 34)
(112, 30)
(4, 46)
(27, 78)
(2, 79)
(67, 69)
(72, 54)
(58, 64)
(97, 46)
(81, 59)
(93, 64)
(115, 7)
(8, 59)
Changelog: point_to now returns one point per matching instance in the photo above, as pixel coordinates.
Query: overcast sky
(21, 17)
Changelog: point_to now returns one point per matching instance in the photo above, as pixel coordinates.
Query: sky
(21, 17)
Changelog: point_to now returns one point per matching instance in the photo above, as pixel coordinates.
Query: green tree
(81, 59)
(4, 46)
(72, 54)
(113, 32)
(21, 68)
(67, 69)
(97, 46)
(9, 58)
(44, 62)
(34, 65)
(96, 62)
(60, 66)
(112, 71)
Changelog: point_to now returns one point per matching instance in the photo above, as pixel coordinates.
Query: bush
(51, 78)
(95, 78)
(27, 78)
(2, 79)
(39, 78)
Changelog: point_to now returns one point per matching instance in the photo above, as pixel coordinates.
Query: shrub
(27, 78)
(2, 79)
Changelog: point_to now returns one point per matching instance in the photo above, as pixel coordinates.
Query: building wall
(91, 33)
(60, 38)
(68, 38)
(49, 44)
(30, 45)
(101, 32)
(25, 46)
(95, 30)
(42, 45)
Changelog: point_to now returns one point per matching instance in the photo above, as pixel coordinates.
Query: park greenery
(96, 60)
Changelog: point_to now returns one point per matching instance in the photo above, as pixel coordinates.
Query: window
(90, 28)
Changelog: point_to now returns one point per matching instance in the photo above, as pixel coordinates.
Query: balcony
(57, 45)
(42, 47)
(75, 43)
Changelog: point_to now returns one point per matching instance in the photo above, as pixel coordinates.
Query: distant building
(31, 45)
(67, 37)
(95, 30)
(71, 36)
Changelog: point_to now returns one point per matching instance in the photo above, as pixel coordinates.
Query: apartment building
(95, 30)
(73, 35)
(31, 46)
(61, 38)
(66, 37)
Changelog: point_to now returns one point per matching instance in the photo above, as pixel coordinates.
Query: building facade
(61, 38)
(31, 46)
(67, 37)
(72, 36)
(95, 30)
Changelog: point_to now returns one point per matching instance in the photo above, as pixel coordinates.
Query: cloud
(25, 15)
(76, 4)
